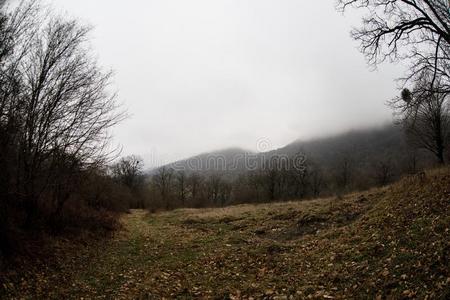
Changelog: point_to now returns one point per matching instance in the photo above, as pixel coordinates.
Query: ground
(391, 242)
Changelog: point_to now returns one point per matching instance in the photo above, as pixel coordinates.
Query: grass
(391, 242)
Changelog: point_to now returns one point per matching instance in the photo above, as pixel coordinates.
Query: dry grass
(391, 243)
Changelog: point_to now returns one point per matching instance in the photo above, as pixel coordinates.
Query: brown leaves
(168, 257)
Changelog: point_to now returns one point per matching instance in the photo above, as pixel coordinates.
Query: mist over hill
(363, 147)
(225, 160)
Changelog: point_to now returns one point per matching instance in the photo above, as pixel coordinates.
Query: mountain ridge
(364, 146)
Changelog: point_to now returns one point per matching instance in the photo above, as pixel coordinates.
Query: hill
(365, 147)
(229, 161)
(385, 243)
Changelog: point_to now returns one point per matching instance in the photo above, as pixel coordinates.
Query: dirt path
(212, 253)
(125, 264)
(108, 268)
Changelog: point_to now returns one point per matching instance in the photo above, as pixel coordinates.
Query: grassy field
(392, 242)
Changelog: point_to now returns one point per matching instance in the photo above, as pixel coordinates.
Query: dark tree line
(279, 178)
(171, 189)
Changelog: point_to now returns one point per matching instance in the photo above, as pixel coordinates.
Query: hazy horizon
(200, 76)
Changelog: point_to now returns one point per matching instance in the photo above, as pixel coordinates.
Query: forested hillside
(355, 160)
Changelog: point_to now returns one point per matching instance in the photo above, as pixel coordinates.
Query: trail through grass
(391, 242)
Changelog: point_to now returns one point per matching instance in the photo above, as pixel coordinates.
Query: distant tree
(225, 193)
(242, 190)
(317, 180)
(255, 182)
(214, 184)
(410, 161)
(163, 182)
(344, 170)
(383, 171)
(195, 181)
(128, 171)
(270, 175)
(181, 182)
(299, 174)
(101, 191)
(218, 190)
(425, 114)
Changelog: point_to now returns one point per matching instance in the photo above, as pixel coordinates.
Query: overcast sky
(202, 75)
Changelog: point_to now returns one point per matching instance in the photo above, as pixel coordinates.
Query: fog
(202, 75)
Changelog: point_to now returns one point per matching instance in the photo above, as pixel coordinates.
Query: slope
(391, 242)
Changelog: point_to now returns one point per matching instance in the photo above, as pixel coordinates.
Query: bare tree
(195, 182)
(270, 176)
(383, 171)
(410, 163)
(181, 186)
(317, 180)
(425, 114)
(213, 184)
(163, 181)
(255, 181)
(128, 171)
(14, 29)
(416, 30)
(344, 171)
(225, 193)
(55, 100)
(299, 173)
